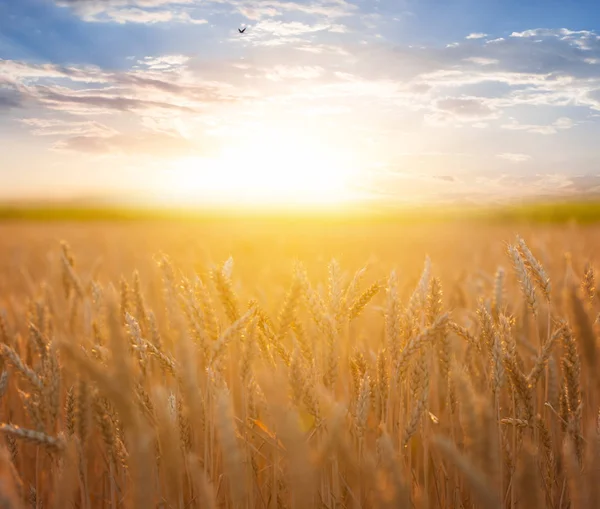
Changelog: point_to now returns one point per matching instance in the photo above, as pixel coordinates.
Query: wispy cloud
(157, 84)
(133, 11)
(281, 72)
(261, 9)
(482, 60)
(91, 102)
(514, 158)
(60, 127)
(270, 32)
(559, 124)
(180, 11)
(148, 143)
(144, 16)
(466, 107)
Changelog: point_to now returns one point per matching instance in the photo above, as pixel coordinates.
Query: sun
(268, 169)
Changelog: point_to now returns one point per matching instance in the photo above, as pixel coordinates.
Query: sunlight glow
(271, 168)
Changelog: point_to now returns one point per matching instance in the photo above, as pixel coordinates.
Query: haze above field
(318, 102)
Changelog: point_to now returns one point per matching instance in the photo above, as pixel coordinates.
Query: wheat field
(302, 365)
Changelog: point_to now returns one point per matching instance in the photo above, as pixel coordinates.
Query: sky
(318, 101)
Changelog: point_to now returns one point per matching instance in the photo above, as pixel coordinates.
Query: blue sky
(406, 100)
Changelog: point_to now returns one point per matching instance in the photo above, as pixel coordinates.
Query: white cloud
(285, 29)
(123, 16)
(257, 10)
(272, 33)
(60, 127)
(526, 33)
(338, 29)
(465, 106)
(136, 16)
(559, 124)
(165, 62)
(454, 111)
(155, 144)
(322, 49)
(15, 70)
(563, 123)
(476, 35)
(282, 72)
(133, 11)
(482, 60)
(550, 32)
(514, 158)
(164, 11)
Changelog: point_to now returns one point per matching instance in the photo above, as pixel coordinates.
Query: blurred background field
(114, 241)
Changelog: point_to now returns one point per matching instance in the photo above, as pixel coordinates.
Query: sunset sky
(317, 101)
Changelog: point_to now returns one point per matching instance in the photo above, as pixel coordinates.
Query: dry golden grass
(254, 365)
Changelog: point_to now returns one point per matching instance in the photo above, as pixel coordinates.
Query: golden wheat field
(291, 364)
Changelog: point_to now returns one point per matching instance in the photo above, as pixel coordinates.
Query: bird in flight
(242, 30)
